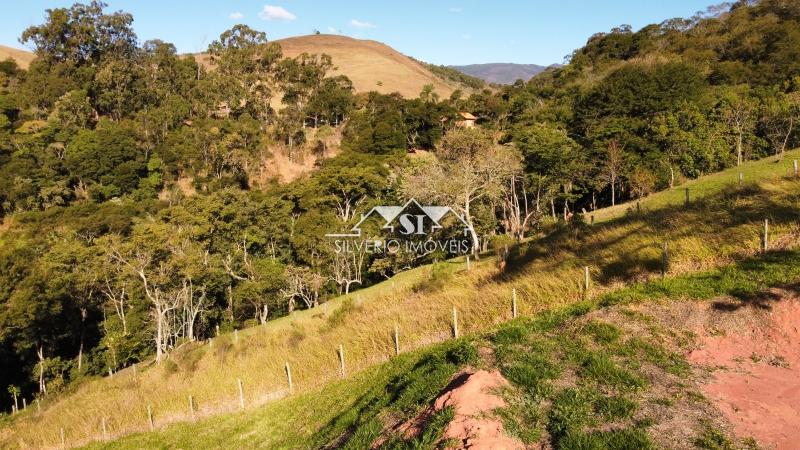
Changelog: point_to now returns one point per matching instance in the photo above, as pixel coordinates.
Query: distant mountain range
(502, 73)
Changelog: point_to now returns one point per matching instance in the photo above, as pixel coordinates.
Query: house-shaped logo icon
(397, 218)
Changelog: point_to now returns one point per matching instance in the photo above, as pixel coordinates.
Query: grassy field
(707, 185)
(570, 370)
(719, 229)
(314, 419)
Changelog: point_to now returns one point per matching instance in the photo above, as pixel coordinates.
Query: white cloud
(359, 24)
(333, 30)
(275, 13)
(455, 9)
(236, 15)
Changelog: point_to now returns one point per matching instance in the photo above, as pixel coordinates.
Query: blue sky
(441, 32)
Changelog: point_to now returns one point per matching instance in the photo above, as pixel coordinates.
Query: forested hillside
(136, 213)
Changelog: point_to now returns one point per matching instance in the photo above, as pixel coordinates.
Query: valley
(296, 235)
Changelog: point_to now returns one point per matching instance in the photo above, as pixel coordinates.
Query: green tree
(244, 77)
(106, 160)
(82, 35)
(73, 111)
(469, 169)
(555, 159)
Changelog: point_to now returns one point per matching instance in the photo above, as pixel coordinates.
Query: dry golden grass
(287, 169)
(370, 65)
(547, 274)
(22, 57)
(752, 171)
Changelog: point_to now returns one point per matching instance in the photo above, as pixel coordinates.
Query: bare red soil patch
(473, 397)
(756, 370)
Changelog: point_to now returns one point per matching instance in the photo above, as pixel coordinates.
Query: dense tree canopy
(138, 211)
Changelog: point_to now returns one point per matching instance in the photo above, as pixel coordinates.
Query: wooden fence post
(585, 280)
(217, 327)
(467, 262)
(150, 418)
(686, 200)
(513, 303)
(235, 335)
(396, 340)
(341, 361)
(664, 260)
(766, 235)
(289, 378)
(455, 323)
(796, 172)
(592, 222)
(741, 178)
(191, 407)
(63, 439)
(24, 404)
(241, 393)
(105, 432)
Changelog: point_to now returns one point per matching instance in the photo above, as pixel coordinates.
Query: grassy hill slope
(706, 185)
(717, 230)
(370, 65)
(619, 372)
(22, 57)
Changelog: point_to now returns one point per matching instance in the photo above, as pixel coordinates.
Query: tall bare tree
(469, 168)
(779, 119)
(303, 285)
(165, 302)
(117, 295)
(42, 384)
(739, 116)
(348, 267)
(517, 211)
(613, 165)
(193, 306)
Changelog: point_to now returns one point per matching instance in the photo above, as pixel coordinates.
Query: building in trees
(465, 120)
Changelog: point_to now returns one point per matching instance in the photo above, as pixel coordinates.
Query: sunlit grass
(752, 172)
(547, 273)
(533, 353)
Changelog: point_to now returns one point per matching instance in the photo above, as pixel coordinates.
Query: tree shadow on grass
(764, 299)
(708, 216)
(383, 407)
